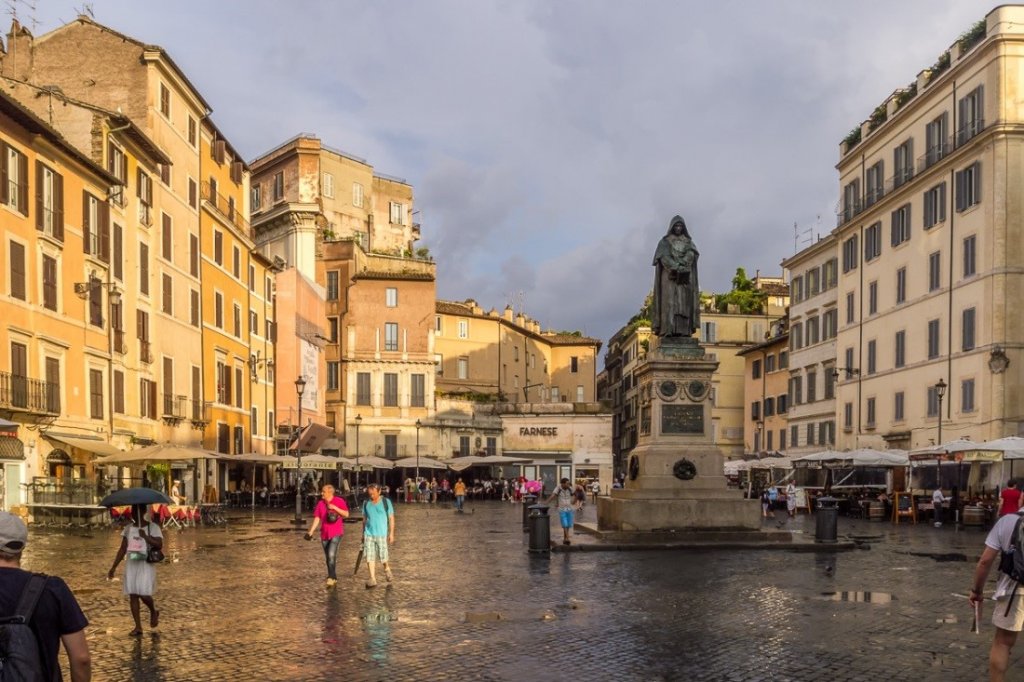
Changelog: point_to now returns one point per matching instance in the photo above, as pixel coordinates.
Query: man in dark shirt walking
(57, 617)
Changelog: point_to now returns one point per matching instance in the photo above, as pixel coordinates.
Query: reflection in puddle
(866, 597)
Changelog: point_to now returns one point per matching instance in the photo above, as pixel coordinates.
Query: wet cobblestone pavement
(248, 602)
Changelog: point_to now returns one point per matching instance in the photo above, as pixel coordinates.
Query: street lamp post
(418, 425)
(358, 420)
(300, 388)
(940, 393)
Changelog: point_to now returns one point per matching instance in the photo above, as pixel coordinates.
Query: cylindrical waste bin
(540, 528)
(876, 511)
(827, 519)
(527, 501)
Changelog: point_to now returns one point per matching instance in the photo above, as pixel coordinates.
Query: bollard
(827, 519)
(527, 501)
(540, 528)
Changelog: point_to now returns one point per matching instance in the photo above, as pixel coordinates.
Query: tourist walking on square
(139, 581)
(791, 499)
(54, 615)
(1011, 498)
(329, 516)
(1008, 610)
(766, 505)
(378, 533)
(460, 494)
(568, 503)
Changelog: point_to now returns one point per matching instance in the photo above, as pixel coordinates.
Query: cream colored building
(930, 255)
(813, 324)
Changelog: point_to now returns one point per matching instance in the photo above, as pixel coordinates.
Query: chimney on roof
(508, 313)
(17, 63)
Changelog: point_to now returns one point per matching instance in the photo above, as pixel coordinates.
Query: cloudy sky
(549, 142)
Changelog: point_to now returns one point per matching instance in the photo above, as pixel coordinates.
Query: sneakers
(331, 582)
(388, 575)
(371, 583)
(938, 524)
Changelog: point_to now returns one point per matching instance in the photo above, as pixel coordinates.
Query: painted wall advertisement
(310, 367)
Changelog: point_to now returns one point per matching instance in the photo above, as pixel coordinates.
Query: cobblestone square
(470, 603)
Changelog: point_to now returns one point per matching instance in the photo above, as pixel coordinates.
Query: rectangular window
(14, 185)
(49, 202)
(390, 389)
(144, 191)
(709, 332)
(812, 387)
(194, 313)
(357, 195)
(755, 410)
(875, 183)
(254, 323)
(332, 329)
(850, 254)
(830, 384)
(236, 262)
(850, 309)
(574, 364)
(168, 295)
(798, 390)
(193, 255)
(830, 273)
(783, 360)
(165, 101)
(936, 142)
(848, 415)
(463, 329)
(872, 298)
(967, 395)
(333, 375)
(900, 225)
(796, 289)
(362, 388)
(332, 285)
(769, 407)
(218, 247)
(237, 321)
(391, 297)
(390, 446)
(970, 249)
(463, 368)
(193, 131)
(769, 363)
(768, 440)
(118, 391)
(968, 186)
(935, 205)
(933, 339)
(278, 187)
(829, 324)
(755, 369)
(254, 420)
(897, 407)
(218, 310)
(848, 357)
(117, 164)
(901, 285)
(812, 331)
(873, 242)
(870, 409)
(900, 353)
(782, 439)
(813, 282)
(872, 356)
(438, 364)
(933, 402)
(17, 270)
(239, 386)
(796, 336)
(255, 197)
(903, 163)
(934, 271)
(851, 200)
(967, 341)
(144, 269)
(193, 193)
(118, 253)
(463, 446)
(390, 336)
(95, 227)
(328, 185)
(971, 118)
(810, 433)
(794, 436)
(782, 403)
(397, 214)
(95, 394)
(417, 390)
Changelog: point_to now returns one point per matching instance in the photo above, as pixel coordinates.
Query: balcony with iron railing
(229, 212)
(175, 405)
(201, 413)
(28, 395)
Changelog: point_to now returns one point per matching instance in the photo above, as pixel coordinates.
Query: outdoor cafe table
(68, 514)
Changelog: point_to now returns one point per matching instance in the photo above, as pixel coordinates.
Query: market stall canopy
(1010, 447)
(161, 452)
(463, 463)
(8, 425)
(97, 447)
(863, 457)
(421, 462)
(256, 458)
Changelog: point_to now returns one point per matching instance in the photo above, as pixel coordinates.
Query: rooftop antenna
(801, 237)
(86, 9)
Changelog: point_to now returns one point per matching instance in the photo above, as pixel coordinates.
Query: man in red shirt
(1011, 498)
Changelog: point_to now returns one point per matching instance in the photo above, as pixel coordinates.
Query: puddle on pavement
(293, 529)
(486, 617)
(863, 597)
(940, 556)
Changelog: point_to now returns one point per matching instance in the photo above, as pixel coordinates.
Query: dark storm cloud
(549, 143)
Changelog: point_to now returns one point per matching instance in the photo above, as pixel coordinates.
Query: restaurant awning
(97, 447)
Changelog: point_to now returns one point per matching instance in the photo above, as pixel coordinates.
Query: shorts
(1013, 621)
(565, 516)
(376, 549)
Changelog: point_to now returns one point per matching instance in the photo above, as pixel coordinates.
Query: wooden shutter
(104, 227)
(17, 270)
(977, 182)
(138, 182)
(893, 229)
(58, 206)
(238, 385)
(166, 236)
(23, 184)
(236, 172)
(86, 228)
(118, 391)
(219, 148)
(118, 252)
(140, 325)
(152, 399)
(168, 294)
(193, 255)
(4, 184)
(227, 385)
(39, 196)
(144, 269)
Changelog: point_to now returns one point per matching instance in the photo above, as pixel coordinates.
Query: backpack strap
(26, 607)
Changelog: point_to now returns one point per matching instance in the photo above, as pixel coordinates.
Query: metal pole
(298, 468)
(417, 452)
(357, 456)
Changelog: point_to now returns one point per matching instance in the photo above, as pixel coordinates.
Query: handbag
(332, 517)
(154, 556)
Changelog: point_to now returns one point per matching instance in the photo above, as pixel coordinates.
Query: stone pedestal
(674, 477)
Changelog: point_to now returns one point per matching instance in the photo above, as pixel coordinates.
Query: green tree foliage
(643, 316)
(747, 299)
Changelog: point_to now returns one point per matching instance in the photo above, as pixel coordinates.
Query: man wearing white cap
(57, 616)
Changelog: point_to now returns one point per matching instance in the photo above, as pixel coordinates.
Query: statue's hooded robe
(676, 307)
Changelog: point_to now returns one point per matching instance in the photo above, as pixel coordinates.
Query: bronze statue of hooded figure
(675, 311)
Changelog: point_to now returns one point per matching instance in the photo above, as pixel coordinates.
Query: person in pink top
(329, 516)
(1011, 498)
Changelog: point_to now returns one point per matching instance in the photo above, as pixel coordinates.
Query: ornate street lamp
(300, 388)
(418, 425)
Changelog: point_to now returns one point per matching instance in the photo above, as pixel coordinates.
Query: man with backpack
(1004, 547)
(37, 614)
(378, 533)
